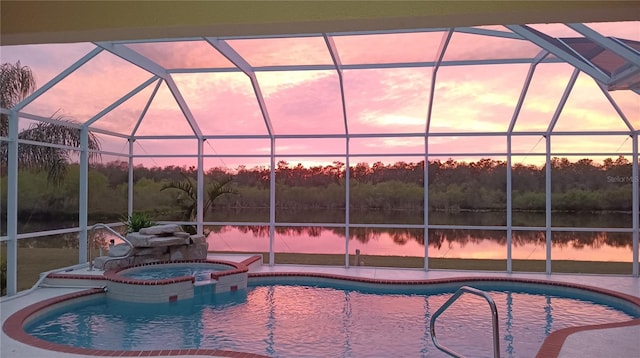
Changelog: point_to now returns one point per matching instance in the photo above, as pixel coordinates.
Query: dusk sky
(477, 98)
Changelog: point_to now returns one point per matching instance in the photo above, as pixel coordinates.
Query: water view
(598, 245)
(476, 244)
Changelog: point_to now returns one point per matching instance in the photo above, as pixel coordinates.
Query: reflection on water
(475, 218)
(443, 243)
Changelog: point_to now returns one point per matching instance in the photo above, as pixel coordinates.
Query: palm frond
(217, 189)
(187, 187)
(52, 159)
(16, 83)
(189, 205)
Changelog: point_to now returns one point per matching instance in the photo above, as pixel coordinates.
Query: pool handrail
(105, 226)
(449, 302)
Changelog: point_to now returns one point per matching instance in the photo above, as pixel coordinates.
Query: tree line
(583, 185)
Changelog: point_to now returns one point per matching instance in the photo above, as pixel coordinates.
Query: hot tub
(175, 280)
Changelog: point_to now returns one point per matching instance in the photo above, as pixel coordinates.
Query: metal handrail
(494, 319)
(105, 226)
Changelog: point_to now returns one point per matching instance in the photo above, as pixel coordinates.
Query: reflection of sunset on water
(382, 243)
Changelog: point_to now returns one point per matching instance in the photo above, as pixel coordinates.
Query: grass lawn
(33, 261)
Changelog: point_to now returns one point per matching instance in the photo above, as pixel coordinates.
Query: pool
(311, 317)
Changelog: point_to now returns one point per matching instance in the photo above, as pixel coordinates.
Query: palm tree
(188, 198)
(17, 82)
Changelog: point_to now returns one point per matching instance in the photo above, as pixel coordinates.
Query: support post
(200, 189)
(272, 202)
(425, 185)
(83, 195)
(130, 186)
(547, 196)
(347, 204)
(509, 207)
(635, 209)
(12, 205)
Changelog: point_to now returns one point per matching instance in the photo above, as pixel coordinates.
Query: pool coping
(551, 346)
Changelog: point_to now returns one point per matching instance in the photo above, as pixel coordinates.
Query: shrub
(137, 221)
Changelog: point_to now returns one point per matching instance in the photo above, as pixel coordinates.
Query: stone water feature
(154, 244)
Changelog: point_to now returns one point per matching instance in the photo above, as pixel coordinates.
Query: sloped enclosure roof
(334, 85)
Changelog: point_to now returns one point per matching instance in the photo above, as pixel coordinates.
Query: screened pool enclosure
(542, 99)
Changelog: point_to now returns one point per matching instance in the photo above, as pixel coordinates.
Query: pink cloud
(465, 46)
(47, 60)
(303, 102)
(283, 51)
(90, 89)
(223, 103)
(183, 54)
(388, 101)
(401, 47)
(475, 98)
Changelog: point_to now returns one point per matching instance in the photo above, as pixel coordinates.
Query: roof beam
(231, 54)
(146, 64)
(335, 57)
(234, 57)
(611, 45)
(135, 58)
(446, 38)
(525, 89)
(560, 50)
(563, 101)
(120, 101)
(145, 109)
(487, 32)
(363, 66)
(177, 95)
(615, 106)
(57, 79)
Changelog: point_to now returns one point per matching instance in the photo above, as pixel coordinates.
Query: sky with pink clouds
(479, 98)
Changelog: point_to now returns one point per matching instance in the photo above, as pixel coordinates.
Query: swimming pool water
(307, 321)
(159, 272)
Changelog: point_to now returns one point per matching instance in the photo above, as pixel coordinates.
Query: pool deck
(606, 341)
